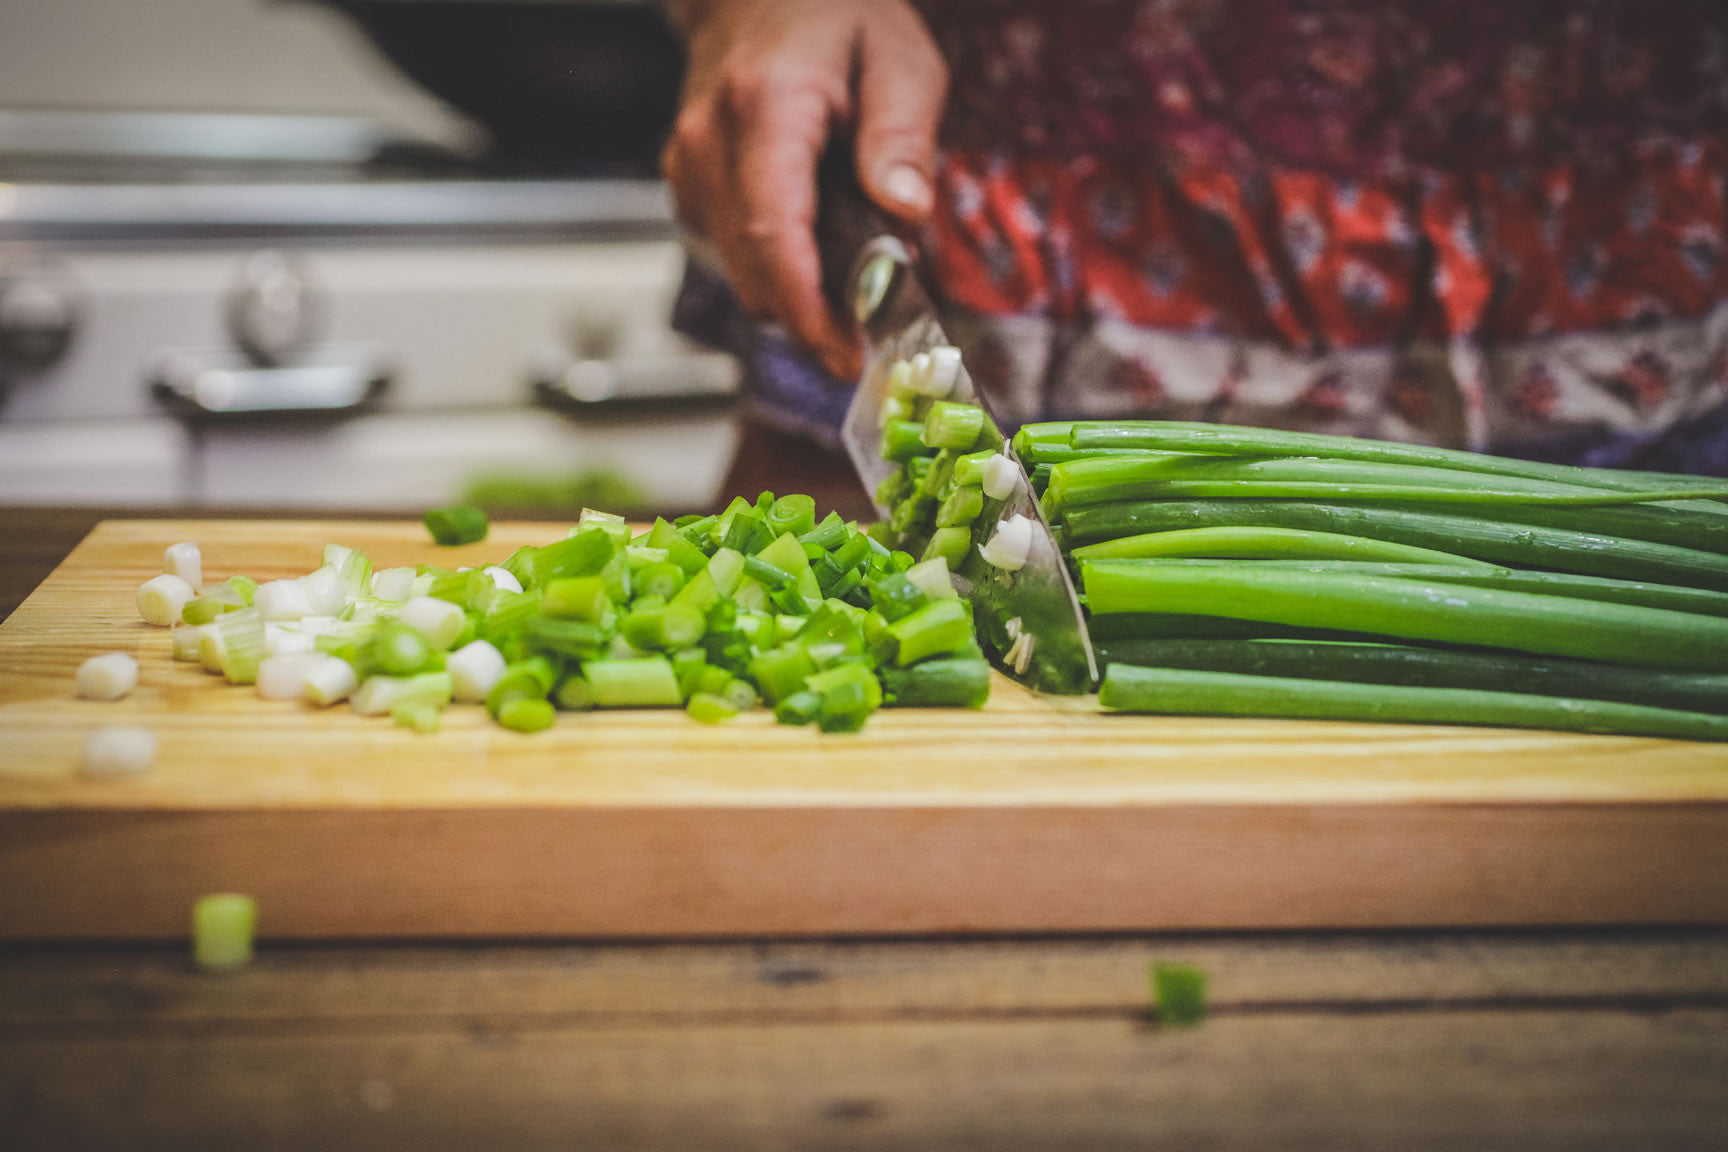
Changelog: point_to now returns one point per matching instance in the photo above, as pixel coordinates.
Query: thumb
(902, 83)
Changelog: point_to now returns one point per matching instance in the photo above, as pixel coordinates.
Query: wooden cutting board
(1032, 815)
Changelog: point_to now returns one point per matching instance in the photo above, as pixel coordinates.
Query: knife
(1029, 621)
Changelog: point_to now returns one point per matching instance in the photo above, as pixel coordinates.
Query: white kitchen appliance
(280, 311)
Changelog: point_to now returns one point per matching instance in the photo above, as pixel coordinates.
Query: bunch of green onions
(714, 614)
(1248, 572)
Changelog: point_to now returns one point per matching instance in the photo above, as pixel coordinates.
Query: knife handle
(847, 223)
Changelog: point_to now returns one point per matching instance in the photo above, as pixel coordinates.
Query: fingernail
(905, 185)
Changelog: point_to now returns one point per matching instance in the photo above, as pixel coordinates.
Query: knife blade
(1029, 621)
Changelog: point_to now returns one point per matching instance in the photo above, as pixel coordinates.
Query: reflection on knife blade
(939, 469)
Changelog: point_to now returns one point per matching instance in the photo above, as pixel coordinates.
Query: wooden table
(1445, 1040)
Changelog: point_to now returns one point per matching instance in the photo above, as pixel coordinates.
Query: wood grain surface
(1035, 814)
(1414, 1041)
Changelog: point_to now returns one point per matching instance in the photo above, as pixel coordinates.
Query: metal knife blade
(1029, 621)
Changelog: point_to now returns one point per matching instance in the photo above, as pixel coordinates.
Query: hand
(767, 81)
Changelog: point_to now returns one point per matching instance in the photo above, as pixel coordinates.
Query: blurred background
(346, 254)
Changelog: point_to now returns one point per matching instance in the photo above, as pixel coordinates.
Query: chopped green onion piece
(662, 579)
(740, 695)
(794, 513)
(726, 568)
(527, 714)
(110, 676)
(798, 708)
(762, 571)
(1179, 995)
(585, 554)
(938, 628)
(943, 682)
(951, 425)
(640, 682)
(439, 621)
(422, 717)
(950, 545)
(932, 577)
(780, 672)
(969, 469)
(242, 588)
(352, 566)
(573, 694)
(185, 639)
(242, 644)
(399, 650)
(710, 709)
(380, 695)
(827, 535)
(185, 561)
(962, 506)
(222, 928)
(903, 440)
(664, 629)
(896, 596)
(849, 692)
(576, 597)
(204, 609)
(161, 599)
(574, 639)
(457, 524)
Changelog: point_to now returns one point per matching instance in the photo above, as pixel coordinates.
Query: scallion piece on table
(223, 925)
(380, 695)
(527, 714)
(110, 676)
(474, 669)
(241, 644)
(330, 682)
(641, 682)
(934, 630)
(1179, 995)
(457, 524)
(399, 650)
(162, 598)
(944, 682)
(709, 708)
(185, 561)
(418, 715)
(204, 609)
(116, 750)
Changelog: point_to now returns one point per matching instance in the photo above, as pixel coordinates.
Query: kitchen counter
(1510, 1038)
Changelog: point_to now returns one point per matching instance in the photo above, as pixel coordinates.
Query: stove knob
(38, 318)
(273, 311)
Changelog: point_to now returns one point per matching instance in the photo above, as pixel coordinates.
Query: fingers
(902, 83)
(782, 134)
(766, 81)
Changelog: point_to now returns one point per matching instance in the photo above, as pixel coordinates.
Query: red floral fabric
(1487, 222)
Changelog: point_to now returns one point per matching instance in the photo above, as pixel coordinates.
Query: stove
(208, 309)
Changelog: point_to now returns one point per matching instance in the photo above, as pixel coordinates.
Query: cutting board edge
(785, 873)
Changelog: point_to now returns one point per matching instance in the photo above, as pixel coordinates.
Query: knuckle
(744, 89)
(749, 87)
(690, 131)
